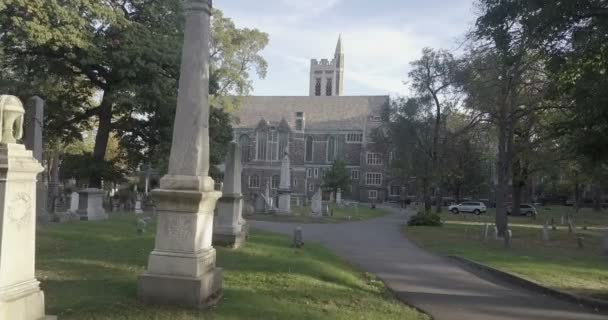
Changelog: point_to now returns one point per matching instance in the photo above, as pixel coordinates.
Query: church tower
(327, 77)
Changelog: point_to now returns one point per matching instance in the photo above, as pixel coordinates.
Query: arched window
(254, 181)
(245, 144)
(276, 180)
(273, 140)
(309, 142)
(318, 87)
(328, 87)
(331, 149)
(262, 144)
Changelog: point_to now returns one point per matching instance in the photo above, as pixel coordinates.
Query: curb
(599, 306)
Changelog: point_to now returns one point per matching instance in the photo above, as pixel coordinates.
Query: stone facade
(316, 131)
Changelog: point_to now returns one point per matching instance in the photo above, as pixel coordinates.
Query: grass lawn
(340, 214)
(89, 270)
(560, 264)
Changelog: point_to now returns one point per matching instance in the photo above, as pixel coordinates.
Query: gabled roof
(321, 113)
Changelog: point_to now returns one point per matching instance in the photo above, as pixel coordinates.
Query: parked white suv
(473, 207)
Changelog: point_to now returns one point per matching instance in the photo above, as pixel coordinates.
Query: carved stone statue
(11, 119)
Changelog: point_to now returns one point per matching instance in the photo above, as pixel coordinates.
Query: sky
(380, 38)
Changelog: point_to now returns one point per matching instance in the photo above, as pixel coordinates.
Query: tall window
(374, 159)
(299, 121)
(373, 179)
(309, 142)
(331, 149)
(311, 187)
(276, 180)
(283, 144)
(245, 143)
(262, 142)
(308, 172)
(316, 172)
(273, 144)
(328, 87)
(254, 181)
(318, 87)
(354, 174)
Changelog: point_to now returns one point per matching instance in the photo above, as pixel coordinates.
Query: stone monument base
(90, 205)
(200, 293)
(24, 301)
(233, 240)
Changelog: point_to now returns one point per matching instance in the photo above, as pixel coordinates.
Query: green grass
(340, 214)
(89, 271)
(559, 264)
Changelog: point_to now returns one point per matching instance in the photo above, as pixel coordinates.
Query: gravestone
(73, 202)
(34, 123)
(138, 209)
(260, 204)
(485, 230)
(508, 238)
(20, 294)
(182, 267)
(298, 240)
(495, 233)
(339, 197)
(90, 205)
(605, 243)
(316, 206)
(579, 242)
(230, 228)
(545, 233)
(285, 186)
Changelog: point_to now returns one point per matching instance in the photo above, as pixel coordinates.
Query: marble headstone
(285, 186)
(20, 294)
(316, 206)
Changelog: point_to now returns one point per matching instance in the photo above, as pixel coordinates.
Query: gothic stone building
(315, 130)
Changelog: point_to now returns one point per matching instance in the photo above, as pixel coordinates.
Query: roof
(321, 113)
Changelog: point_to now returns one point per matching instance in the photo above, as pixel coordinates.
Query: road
(434, 284)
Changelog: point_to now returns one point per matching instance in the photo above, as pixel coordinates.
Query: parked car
(473, 207)
(524, 210)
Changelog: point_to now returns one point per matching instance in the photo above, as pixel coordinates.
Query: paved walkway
(434, 284)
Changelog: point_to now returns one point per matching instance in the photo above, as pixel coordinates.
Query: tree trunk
(597, 197)
(577, 197)
(439, 199)
(503, 166)
(101, 139)
(516, 188)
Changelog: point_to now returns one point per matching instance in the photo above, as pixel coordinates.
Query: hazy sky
(381, 38)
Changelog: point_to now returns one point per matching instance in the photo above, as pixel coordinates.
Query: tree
(433, 77)
(118, 62)
(337, 177)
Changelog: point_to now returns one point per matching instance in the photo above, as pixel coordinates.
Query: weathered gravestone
(285, 186)
(230, 228)
(298, 240)
(339, 197)
(34, 123)
(20, 294)
(316, 206)
(181, 268)
(73, 202)
(90, 205)
(545, 233)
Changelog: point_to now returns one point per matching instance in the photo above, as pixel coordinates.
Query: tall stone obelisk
(285, 186)
(20, 294)
(181, 268)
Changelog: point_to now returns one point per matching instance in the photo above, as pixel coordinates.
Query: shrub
(425, 219)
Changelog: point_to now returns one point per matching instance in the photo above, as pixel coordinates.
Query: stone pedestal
(90, 205)
(138, 209)
(20, 294)
(284, 202)
(181, 268)
(231, 229)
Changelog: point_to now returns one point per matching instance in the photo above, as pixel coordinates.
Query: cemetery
(141, 178)
(552, 258)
